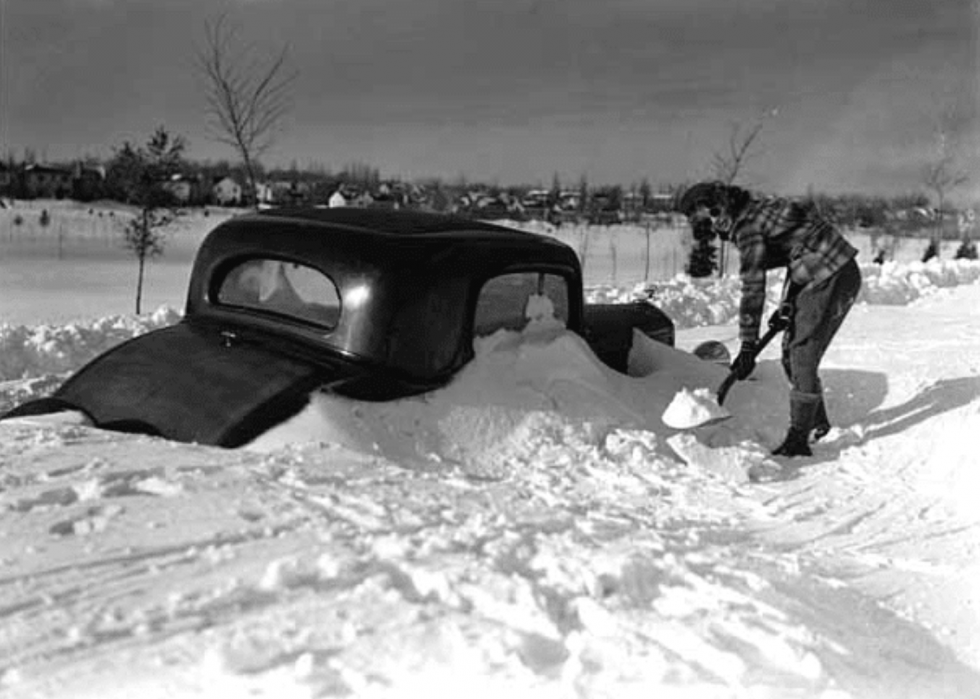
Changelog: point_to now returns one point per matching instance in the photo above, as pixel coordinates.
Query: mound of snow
(28, 351)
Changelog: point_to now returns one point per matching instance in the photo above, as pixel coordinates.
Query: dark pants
(820, 310)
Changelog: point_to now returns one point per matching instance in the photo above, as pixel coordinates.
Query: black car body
(370, 304)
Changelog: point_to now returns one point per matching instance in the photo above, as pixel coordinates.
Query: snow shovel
(776, 326)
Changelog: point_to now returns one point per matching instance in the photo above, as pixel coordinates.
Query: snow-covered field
(533, 529)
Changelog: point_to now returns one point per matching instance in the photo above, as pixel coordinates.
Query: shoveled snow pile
(27, 351)
(533, 529)
(693, 409)
(694, 302)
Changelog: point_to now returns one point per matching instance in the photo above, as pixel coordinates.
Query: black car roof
(401, 251)
(378, 238)
(391, 221)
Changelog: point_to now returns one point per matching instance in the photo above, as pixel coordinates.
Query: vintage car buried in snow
(369, 304)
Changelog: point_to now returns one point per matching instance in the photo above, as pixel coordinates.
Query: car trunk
(195, 385)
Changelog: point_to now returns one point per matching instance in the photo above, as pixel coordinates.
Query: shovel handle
(725, 387)
(730, 380)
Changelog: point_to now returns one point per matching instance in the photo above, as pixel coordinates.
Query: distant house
(88, 182)
(290, 193)
(386, 197)
(264, 193)
(227, 192)
(8, 176)
(570, 200)
(48, 182)
(661, 202)
(261, 194)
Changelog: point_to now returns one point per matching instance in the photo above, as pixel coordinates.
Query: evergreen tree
(583, 195)
(931, 251)
(646, 193)
(967, 250)
(703, 260)
(554, 194)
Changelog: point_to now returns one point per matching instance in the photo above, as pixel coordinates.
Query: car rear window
(285, 288)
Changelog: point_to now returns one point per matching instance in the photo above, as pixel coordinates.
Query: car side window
(503, 301)
(286, 288)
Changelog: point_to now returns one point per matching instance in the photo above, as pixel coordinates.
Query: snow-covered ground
(533, 529)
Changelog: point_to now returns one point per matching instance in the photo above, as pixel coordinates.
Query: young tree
(942, 175)
(141, 175)
(247, 98)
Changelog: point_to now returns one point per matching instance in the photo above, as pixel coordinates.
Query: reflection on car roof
(394, 222)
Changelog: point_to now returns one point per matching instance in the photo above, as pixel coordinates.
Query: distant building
(661, 202)
(88, 182)
(48, 182)
(8, 176)
(264, 193)
(337, 200)
(291, 193)
(227, 192)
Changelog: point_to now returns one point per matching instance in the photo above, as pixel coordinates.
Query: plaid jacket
(773, 233)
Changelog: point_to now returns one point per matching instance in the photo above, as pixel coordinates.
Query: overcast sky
(513, 91)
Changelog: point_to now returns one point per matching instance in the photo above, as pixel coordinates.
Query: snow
(693, 409)
(542, 526)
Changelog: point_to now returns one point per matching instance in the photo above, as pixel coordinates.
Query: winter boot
(821, 423)
(802, 410)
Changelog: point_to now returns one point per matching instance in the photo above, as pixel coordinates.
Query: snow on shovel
(697, 408)
(694, 408)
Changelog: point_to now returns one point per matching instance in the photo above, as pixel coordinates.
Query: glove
(744, 363)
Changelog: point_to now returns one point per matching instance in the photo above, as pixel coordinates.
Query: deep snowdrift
(532, 529)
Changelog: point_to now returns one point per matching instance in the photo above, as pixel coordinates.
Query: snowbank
(33, 351)
(28, 351)
(696, 302)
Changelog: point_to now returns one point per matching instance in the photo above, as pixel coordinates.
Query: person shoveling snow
(822, 283)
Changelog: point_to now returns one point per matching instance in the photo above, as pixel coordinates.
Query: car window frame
(221, 274)
(560, 271)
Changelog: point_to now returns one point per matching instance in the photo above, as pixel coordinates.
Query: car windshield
(284, 288)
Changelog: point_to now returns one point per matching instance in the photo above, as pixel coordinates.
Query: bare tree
(247, 97)
(728, 164)
(942, 175)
